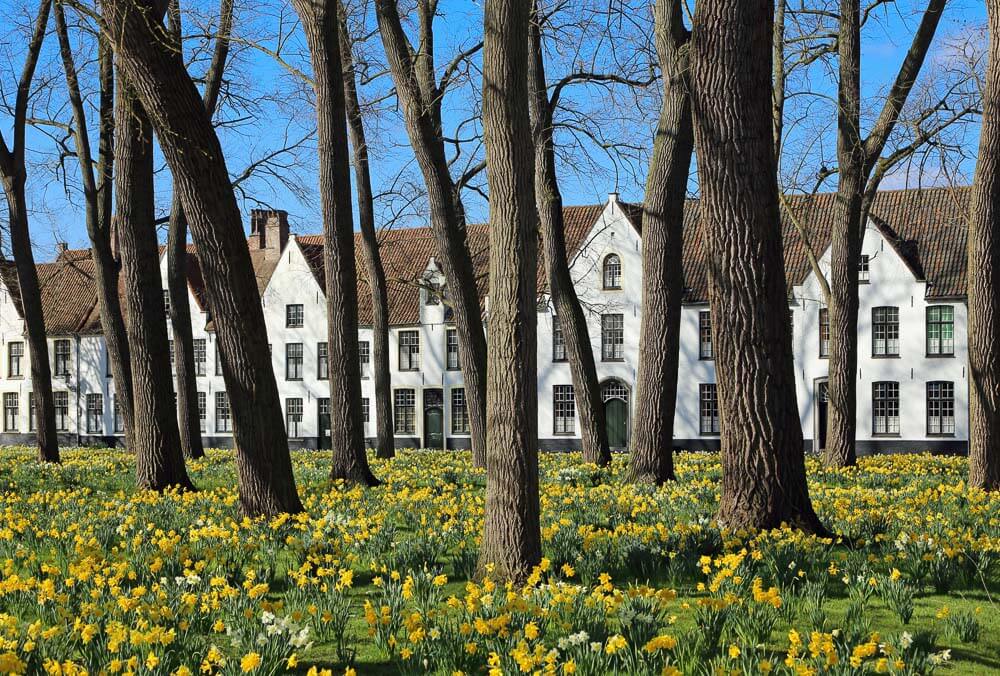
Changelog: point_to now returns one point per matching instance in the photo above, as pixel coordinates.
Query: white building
(912, 383)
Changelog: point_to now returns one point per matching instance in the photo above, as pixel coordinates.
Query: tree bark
(321, 25)
(159, 462)
(14, 176)
(651, 459)
(420, 98)
(763, 464)
(385, 443)
(579, 351)
(192, 149)
(511, 543)
(984, 280)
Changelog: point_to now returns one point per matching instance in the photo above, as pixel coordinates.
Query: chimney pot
(62, 247)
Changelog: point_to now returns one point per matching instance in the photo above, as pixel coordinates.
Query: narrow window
(323, 361)
(166, 303)
(705, 348)
(558, 340)
(824, 332)
(223, 421)
(885, 332)
(60, 401)
(117, 424)
(863, 270)
(95, 414)
(200, 356)
(409, 350)
(709, 409)
(563, 409)
(459, 412)
(941, 407)
(365, 410)
(364, 358)
(62, 358)
(612, 272)
(31, 412)
(218, 358)
(404, 412)
(885, 408)
(202, 411)
(293, 361)
(293, 417)
(10, 411)
(173, 356)
(451, 340)
(612, 337)
(15, 354)
(941, 330)
(294, 316)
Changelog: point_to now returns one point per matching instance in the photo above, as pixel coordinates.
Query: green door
(433, 427)
(616, 418)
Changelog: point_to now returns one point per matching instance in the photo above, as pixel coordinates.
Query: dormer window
(612, 272)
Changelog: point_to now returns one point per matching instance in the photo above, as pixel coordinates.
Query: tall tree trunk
(984, 280)
(763, 463)
(651, 459)
(320, 23)
(579, 351)
(420, 98)
(511, 543)
(192, 149)
(98, 205)
(159, 462)
(14, 175)
(385, 443)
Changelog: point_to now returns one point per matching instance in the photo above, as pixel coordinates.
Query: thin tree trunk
(192, 149)
(763, 463)
(159, 462)
(385, 443)
(320, 23)
(651, 459)
(984, 280)
(14, 175)
(579, 351)
(511, 543)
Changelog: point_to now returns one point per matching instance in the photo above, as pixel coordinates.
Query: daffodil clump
(98, 578)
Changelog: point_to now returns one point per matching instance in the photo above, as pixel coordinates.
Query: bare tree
(662, 261)
(763, 464)
(14, 175)
(511, 543)
(192, 149)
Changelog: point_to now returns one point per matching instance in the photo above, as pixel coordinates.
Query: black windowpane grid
(885, 408)
(293, 361)
(459, 412)
(409, 350)
(940, 407)
(705, 349)
(885, 331)
(824, 332)
(708, 408)
(941, 330)
(612, 337)
(404, 411)
(563, 409)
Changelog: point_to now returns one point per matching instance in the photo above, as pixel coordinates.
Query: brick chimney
(269, 231)
(61, 248)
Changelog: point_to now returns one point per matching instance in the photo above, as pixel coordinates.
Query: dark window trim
(927, 336)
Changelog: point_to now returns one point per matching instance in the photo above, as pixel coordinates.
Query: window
(941, 330)
(705, 348)
(323, 361)
(15, 353)
(202, 411)
(824, 332)
(459, 412)
(294, 316)
(708, 403)
(107, 362)
(293, 417)
(61, 404)
(863, 270)
(885, 332)
(404, 412)
(409, 351)
(558, 341)
(941, 407)
(365, 410)
(612, 272)
(364, 358)
(563, 409)
(885, 408)
(223, 421)
(612, 337)
(117, 424)
(62, 355)
(173, 356)
(200, 356)
(31, 412)
(95, 414)
(218, 359)
(451, 344)
(10, 411)
(166, 303)
(293, 361)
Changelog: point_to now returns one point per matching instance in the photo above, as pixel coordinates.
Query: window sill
(564, 434)
(560, 361)
(706, 358)
(940, 356)
(612, 288)
(293, 380)
(885, 356)
(408, 370)
(452, 369)
(886, 435)
(616, 359)
(459, 434)
(709, 434)
(941, 435)
(823, 356)
(15, 377)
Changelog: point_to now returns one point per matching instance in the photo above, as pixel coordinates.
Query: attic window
(612, 272)
(863, 270)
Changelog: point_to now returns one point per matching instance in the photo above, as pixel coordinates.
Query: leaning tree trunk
(511, 543)
(651, 459)
(385, 443)
(984, 280)
(320, 23)
(159, 462)
(763, 463)
(579, 351)
(192, 149)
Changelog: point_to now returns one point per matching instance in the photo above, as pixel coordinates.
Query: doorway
(822, 404)
(615, 396)
(434, 419)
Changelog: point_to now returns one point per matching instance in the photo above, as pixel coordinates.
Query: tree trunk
(192, 149)
(385, 443)
(320, 23)
(984, 280)
(159, 462)
(763, 464)
(651, 459)
(579, 351)
(511, 543)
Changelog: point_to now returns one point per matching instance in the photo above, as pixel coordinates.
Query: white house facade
(912, 379)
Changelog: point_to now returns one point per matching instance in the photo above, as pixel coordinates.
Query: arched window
(612, 272)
